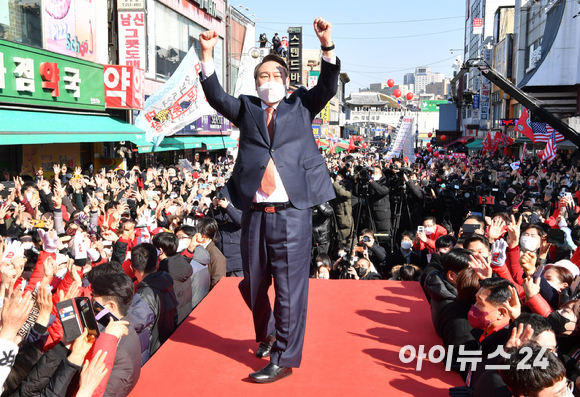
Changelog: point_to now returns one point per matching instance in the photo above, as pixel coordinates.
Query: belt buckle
(270, 210)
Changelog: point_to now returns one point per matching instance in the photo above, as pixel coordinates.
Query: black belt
(270, 208)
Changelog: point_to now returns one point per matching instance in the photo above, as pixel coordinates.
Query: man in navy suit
(279, 175)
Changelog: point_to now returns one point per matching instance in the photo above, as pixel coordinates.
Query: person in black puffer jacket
(180, 271)
(322, 227)
(156, 289)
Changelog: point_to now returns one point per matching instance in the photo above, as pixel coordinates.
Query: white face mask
(29, 196)
(27, 245)
(318, 264)
(323, 276)
(528, 243)
(153, 204)
(406, 245)
(376, 177)
(429, 230)
(183, 244)
(272, 92)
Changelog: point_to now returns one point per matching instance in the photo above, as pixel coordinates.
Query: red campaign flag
(486, 145)
(497, 139)
(351, 143)
(523, 127)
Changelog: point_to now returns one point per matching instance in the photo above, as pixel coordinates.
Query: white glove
(80, 248)
(498, 255)
(13, 250)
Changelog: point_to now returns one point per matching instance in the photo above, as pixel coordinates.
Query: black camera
(364, 174)
(366, 239)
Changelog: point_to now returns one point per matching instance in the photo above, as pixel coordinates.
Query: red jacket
(430, 243)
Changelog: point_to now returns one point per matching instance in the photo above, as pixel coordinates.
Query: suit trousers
(277, 246)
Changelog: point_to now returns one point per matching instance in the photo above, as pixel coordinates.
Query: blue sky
(366, 48)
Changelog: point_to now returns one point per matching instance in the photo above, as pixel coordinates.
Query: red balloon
(397, 93)
(436, 154)
(443, 137)
(360, 138)
(430, 134)
(429, 149)
(364, 145)
(409, 96)
(428, 144)
(391, 83)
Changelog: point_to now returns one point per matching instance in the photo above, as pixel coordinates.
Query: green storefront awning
(19, 127)
(523, 139)
(216, 142)
(177, 142)
(168, 143)
(477, 144)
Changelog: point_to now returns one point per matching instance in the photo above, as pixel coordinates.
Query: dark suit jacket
(294, 151)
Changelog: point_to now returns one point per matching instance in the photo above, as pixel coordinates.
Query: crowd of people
(491, 240)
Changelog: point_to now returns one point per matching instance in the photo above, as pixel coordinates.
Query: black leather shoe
(270, 373)
(266, 345)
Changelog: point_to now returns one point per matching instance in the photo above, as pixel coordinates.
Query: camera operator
(368, 248)
(321, 228)
(364, 270)
(378, 196)
(343, 208)
(229, 221)
(415, 199)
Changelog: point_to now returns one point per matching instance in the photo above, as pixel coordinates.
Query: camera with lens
(363, 174)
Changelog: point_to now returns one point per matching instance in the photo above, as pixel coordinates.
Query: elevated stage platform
(354, 332)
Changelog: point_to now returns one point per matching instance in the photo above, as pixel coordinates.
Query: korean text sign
(124, 87)
(132, 38)
(37, 77)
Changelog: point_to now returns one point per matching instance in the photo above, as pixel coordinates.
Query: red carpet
(354, 332)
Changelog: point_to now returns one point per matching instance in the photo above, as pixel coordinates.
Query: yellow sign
(325, 114)
(35, 157)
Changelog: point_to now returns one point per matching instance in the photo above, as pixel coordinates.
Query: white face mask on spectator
(430, 230)
(528, 243)
(183, 244)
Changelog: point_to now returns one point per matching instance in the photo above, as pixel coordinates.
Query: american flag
(550, 150)
(543, 132)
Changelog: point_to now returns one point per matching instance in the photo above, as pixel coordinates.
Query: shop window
(20, 21)
(174, 36)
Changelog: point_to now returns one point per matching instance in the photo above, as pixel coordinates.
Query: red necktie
(268, 184)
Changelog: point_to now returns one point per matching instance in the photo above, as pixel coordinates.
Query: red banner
(124, 87)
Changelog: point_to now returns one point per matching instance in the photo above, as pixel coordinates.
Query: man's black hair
(144, 258)
(190, 231)
(116, 287)
(530, 380)
(409, 234)
(208, 227)
(271, 58)
(479, 219)
(477, 238)
(168, 242)
(498, 290)
(104, 268)
(538, 323)
(456, 260)
(445, 241)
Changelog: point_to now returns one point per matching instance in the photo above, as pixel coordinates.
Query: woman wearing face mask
(321, 260)
(405, 254)
(323, 272)
(543, 293)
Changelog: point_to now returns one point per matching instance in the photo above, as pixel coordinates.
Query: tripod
(364, 203)
(399, 200)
